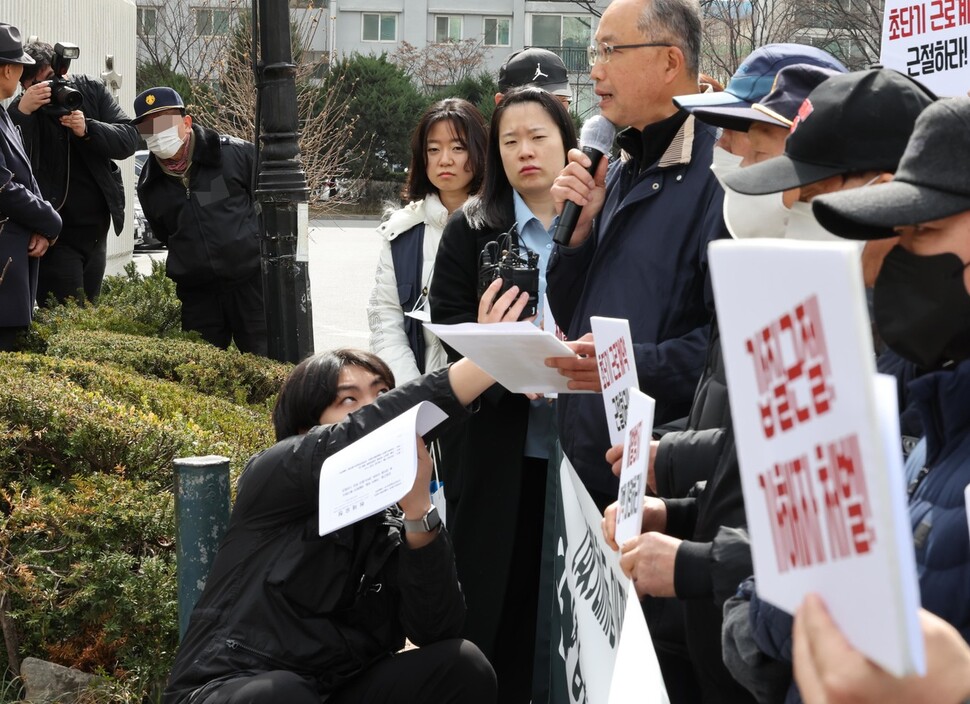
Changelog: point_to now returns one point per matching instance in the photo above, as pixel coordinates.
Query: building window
(497, 31)
(211, 23)
(147, 21)
(561, 30)
(379, 28)
(447, 28)
(566, 35)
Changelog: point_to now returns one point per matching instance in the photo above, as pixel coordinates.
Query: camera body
(504, 259)
(64, 98)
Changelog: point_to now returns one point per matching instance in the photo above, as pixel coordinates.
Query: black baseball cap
(154, 100)
(930, 184)
(850, 123)
(534, 67)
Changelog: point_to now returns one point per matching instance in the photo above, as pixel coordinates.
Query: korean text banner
(927, 41)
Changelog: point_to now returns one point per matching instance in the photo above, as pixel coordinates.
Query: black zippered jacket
(110, 137)
(279, 596)
(206, 219)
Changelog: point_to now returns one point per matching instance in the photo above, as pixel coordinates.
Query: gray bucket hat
(12, 46)
(931, 183)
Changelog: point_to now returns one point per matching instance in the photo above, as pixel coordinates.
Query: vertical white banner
(617, 369)
(636, 458)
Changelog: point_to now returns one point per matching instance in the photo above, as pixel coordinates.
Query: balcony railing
(574, 57)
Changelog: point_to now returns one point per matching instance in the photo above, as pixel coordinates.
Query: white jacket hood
(430, 211)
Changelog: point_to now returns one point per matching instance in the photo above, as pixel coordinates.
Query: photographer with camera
(73, 130)
(505, 446)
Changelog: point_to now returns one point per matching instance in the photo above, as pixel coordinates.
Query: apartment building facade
(189, 29)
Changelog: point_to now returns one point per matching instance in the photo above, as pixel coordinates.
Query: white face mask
(166, 143)
(748, 216)
(802, 225)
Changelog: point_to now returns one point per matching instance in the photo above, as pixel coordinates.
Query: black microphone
(595, 140)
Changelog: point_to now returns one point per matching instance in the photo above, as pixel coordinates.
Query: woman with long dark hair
(503, 450)
(447, 163)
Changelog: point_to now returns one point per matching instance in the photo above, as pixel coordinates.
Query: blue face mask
(922, 308)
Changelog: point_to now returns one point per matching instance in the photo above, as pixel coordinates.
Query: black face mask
(922, 308)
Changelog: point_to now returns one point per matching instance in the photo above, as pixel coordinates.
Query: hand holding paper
(580, 368)
(513, 354)
(378, 470)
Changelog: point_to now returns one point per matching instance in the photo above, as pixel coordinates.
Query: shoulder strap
(407, 253)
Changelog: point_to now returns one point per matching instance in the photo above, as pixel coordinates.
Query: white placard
(636, 459)
(617, 369)
(818, 441)
(376, 471)
(514, 354)
(927, 40)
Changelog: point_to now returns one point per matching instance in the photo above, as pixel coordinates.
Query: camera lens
(67, 97)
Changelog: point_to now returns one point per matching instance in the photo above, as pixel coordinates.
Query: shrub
(75, 415)
(90, 570)
(131, 303)
(237, 377)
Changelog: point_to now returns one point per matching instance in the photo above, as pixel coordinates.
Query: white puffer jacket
(384, 315)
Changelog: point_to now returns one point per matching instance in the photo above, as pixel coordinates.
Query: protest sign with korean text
(633, 472)
(818, 441)
(927, 40)
(617, 370)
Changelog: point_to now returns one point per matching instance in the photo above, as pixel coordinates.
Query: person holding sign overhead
(290, 616)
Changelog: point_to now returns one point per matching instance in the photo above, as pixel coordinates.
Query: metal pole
(281, 191)
(201, 520)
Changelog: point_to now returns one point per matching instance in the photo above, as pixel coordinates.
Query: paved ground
(343, 257)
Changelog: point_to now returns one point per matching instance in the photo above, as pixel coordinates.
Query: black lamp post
(281, 189)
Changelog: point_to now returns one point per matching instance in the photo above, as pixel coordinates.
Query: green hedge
(240, 378)
(87, 416)
(91, 418)
(90, 569)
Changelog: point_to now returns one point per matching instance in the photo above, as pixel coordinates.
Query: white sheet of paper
(636, 671)
(376, 471)
(633, 475)
(818, 441)
(513, 353)
(420, 314)
(302, 232)
(617, 369)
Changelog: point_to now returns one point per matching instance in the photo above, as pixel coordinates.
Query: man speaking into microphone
(639, 246)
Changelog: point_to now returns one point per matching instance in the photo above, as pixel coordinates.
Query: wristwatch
(428, 523)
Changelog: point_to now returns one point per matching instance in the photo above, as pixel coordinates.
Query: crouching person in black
(290, 616)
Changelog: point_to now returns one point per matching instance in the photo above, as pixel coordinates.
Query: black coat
(109, 137)
(23, 211)
(485, 455)
(715, 555)
(209, 224)
(278, 596)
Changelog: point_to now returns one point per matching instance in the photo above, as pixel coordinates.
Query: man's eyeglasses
(601, 53)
